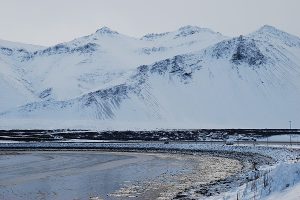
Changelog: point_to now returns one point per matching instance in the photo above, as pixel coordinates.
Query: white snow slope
(197, 79)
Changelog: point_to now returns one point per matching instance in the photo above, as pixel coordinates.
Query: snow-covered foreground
(268, 182)
(289, 194)
(278, 168)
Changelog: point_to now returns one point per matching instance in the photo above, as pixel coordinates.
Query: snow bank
(269, 181)
(288, 194)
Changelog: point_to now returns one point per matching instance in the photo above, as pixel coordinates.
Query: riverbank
(256, 163)
(106, 175)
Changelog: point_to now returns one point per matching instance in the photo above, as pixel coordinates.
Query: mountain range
(189, 78)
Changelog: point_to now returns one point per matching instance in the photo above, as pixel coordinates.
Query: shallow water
(77, 175)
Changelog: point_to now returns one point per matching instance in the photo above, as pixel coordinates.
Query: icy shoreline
(277, 153)
(268, 160)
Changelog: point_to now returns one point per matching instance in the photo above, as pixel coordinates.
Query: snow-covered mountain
(14, 89)
(93, 61)
(189, 78)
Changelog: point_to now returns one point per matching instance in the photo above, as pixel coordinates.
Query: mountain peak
(268, 32)
(106, 31)
(181, 32)
(190, 30)
(269, 29)
(194, 28)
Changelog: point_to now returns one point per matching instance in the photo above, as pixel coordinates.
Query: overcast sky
(47, 22)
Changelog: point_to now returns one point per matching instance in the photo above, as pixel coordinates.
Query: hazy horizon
(51, 22)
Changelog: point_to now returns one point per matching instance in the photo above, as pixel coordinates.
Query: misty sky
(47, 22)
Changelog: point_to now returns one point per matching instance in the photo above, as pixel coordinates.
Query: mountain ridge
(162, 92)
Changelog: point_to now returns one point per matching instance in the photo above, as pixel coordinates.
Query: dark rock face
(46, 93)
(177, 66)
(160, 67)
(6, 51)
(57, 49)
(63, 49)
(87, 48)
(240, 50)
(152, 50)
(153, 36)
(19, 54)
(106, 31)
(222, 49)
(112, 92)
(104, 102)
(247, 52)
